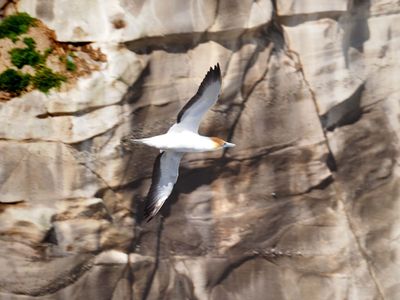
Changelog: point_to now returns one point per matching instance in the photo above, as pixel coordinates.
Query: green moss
(14, 25)
(45, 79)
(47, 52)
(25, 56)
(14, 81)
(70, 64)
(30, 42)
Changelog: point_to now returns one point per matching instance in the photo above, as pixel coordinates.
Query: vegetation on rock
(26, 63)
(15, 25)
(26, 56)
(30, 42)
(13, 81)
(70, 64)
(45, 79)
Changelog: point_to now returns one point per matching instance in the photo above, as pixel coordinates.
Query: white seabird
(182, 137)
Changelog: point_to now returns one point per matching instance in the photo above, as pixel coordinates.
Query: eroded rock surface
(305, 207)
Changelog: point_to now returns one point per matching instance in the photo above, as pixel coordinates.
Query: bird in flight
(182, 137)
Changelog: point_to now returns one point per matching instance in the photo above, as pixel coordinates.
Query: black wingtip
(213, 74)
(150, 204)
(150, 210)
(148, 213)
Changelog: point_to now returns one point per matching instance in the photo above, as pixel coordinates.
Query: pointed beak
(229, 145)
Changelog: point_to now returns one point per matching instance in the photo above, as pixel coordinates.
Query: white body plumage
(184, 141)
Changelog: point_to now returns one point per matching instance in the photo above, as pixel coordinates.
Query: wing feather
(165, 174)
(191, 114)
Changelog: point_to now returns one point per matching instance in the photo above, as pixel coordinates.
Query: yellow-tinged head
(220, 143)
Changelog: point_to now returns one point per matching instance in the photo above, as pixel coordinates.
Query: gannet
(182, 137)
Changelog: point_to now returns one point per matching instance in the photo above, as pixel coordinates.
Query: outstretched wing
(191, 114)
(165, 174)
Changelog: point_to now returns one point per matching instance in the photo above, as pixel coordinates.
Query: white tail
(147, 141)
(139, 141)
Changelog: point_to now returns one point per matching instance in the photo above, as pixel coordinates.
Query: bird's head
(220, 143)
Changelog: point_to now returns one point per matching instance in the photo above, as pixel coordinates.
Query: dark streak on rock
(5, 205)
(322, 185)
(221, 274)
(345, 113)
(182, 42)
(331, 162)
(50, 237)
(297, 19)
(77, 113)
(274, 36)
(45, 10)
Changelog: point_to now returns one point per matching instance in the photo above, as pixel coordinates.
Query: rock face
(305, 207)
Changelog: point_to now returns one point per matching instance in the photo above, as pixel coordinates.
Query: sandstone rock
(73, 116)
(305, 207)
(293, 7)
(119, 21)
(57, 174)
(103, 88)
(323, 63)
